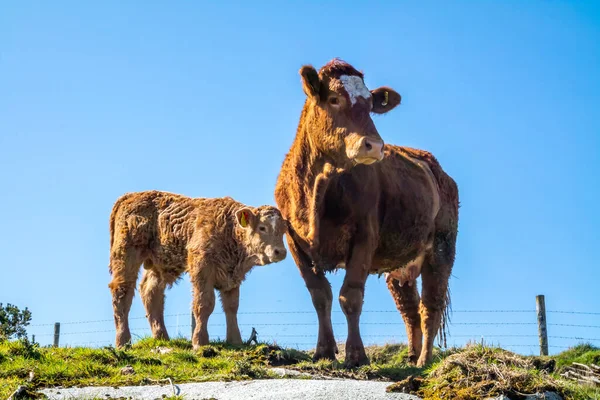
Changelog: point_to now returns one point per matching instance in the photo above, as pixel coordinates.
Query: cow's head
(337, 114)
(263, 228)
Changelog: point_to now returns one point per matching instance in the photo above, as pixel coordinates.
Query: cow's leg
(434, 295)
(203, 302)
(124, 265)
(351, 300)
(407, 302)
(352, 294)
(152, 291)
(322, 298)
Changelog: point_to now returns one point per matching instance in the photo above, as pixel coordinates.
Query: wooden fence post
(193, 326)
(56, 333)
(540, 306)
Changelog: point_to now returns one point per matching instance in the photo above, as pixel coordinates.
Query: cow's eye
(334, 101)
(262, 229)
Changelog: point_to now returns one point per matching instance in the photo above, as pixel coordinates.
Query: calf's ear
(385, 99)
(245, 217)
(311, 84)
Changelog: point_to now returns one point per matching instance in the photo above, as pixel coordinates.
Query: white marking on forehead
(273, 219)
(355, 87)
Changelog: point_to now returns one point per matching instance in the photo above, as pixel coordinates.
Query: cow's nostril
(276, 252)
(368, 145)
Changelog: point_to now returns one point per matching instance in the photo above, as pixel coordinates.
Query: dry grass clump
(479, 372)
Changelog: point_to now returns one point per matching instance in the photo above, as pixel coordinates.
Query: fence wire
(277, 332)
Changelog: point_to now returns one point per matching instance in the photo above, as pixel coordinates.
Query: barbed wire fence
(515, 330)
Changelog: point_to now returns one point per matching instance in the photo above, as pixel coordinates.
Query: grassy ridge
(80, 366)
(456, 373)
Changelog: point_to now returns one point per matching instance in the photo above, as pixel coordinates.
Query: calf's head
(263, 228)
(337, 114)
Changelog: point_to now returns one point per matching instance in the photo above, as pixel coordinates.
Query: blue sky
(203, 99)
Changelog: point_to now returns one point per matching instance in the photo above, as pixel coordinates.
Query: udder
(408, 273)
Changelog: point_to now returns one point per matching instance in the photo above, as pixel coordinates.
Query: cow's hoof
(323, 353)
(356, 358)
(412, 358)
(422, 361)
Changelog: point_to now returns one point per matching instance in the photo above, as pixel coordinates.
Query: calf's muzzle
(275, 253)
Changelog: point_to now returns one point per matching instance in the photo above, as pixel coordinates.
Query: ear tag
(244, 219)
(386, 99)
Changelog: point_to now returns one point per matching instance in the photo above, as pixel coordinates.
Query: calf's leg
(230, 299)
(407, 302)
(152, 291)
(203, 304)
(322, 298)
(124, 265)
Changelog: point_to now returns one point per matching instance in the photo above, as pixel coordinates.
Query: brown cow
(217, 241)
(354, 203)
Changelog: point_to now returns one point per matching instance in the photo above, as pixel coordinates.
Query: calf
(217, 241)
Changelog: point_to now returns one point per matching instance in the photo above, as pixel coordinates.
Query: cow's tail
(446, 311)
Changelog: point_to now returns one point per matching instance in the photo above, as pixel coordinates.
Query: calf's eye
(262, 229)
(334, 101)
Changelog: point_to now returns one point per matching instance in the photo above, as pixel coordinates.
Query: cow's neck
(308, 163)
(309, 166)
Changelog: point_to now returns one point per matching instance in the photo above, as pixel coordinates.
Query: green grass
(80, 366)
(584, 354)
(455, 373)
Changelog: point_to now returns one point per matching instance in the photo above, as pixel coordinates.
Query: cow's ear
(245, 217)
(311, 84)
(385, 99)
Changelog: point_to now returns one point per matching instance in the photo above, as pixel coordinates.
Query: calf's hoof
(356, 358)
(163, 335)
(123, 338)
(235, 342)
(199, 345)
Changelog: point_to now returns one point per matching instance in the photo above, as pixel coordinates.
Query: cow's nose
(371, 148)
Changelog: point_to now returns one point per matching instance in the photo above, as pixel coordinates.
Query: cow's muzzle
(364, 149)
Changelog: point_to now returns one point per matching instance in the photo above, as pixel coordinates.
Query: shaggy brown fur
(217, 241)
(398, 216)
